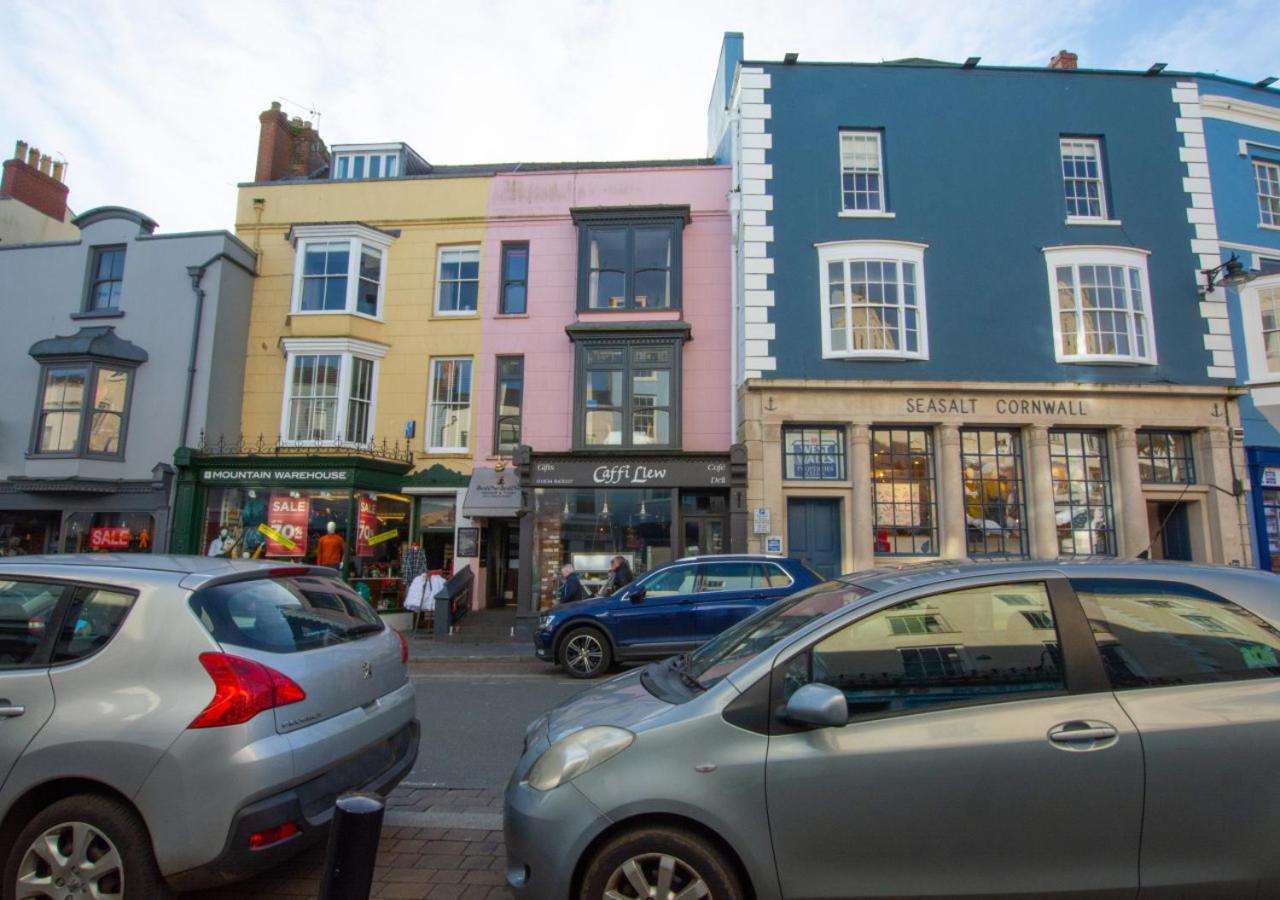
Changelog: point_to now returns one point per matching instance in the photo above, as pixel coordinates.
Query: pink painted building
(604, 378)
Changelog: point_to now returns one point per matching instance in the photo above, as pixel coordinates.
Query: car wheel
(663, 863)
(84, 846)
(585, 653)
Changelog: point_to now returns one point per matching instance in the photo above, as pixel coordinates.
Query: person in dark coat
(571, 587)
(619, 576)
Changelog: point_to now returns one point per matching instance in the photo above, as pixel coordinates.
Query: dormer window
(367, 165)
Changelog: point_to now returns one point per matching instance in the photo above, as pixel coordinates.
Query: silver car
(995, 730)
(178, 722)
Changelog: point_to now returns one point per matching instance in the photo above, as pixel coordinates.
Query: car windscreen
(731, 648)
(284, 615)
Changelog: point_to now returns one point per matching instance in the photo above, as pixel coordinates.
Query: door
(1197, 674)
(663, 621)
(28, 617)
(1175, 537)
(813, 533)
(728, 592)
(966, 769)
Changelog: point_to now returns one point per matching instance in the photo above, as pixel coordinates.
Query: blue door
(663, 618)
(728, 592)
(813, 533)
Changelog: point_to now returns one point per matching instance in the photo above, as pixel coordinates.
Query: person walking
(620, 576)
(570, 586)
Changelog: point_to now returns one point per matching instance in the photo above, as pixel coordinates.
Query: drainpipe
(197, 275)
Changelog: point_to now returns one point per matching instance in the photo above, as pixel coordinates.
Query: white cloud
(155, 104)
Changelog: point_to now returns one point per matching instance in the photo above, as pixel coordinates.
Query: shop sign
(1001, 406)
(492, 493)
(287, 524)
(623, 472)
(366, 523)
(275, 476)
(1271, 477)
(383, 537)
(110, 538)
(773, 544)
(761, 521)
(815, 459)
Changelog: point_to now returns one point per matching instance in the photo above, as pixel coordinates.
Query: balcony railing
(241, 445)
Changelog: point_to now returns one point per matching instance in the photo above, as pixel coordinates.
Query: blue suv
(672, 608)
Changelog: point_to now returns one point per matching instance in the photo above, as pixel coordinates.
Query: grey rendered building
(118, 348)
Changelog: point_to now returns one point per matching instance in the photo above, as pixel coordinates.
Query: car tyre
(585, 653)
(95, 836)
(659, 862)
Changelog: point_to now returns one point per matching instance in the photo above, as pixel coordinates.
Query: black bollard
(353, 847)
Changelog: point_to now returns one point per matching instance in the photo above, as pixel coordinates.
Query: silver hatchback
(179, 722)
(998, 730)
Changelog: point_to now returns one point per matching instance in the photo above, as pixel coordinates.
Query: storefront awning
(492, 494)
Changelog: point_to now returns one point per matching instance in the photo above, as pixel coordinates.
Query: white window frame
(431, 393)
(1254, 345)
(1099, 255)
(453, 248)
(385, 153)
(346, 348)
(1074, 219)
(880, 212)
(883, 251)
(1263, 211)
(357, 238)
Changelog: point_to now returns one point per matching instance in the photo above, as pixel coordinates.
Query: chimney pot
(46, 164)
(275, 105)
(33, 157)
(20, 151)
(58, 168)
(1064, 59)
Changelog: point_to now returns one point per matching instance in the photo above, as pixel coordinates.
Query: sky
(154, 105)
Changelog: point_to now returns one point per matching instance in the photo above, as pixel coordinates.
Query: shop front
(1264, 478)
(855, 475)
(584, 509)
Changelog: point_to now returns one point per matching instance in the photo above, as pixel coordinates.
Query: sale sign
(110, 538)
(287, 518)
(366, 524)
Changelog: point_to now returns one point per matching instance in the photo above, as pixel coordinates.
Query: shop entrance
(1170, 530)
(813, 533)
(503, 563)
(705, 523)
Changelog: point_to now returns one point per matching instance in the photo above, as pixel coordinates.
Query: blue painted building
(1242, 154)
(966, 313)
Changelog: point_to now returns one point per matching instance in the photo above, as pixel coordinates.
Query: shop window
(1101, 305)
(278, 523)
(106, 281)
(28, 533)
(872, 300)
(628, 396)
(813, 453)
(904, 508)
(339, 269)
(629, 259)
(458, 281)
(1165, 457)
(1082, 180)
(861, 173)
(436, 520)
(508, 404)
(515, 279)
(449, 416)
(1271, 516)
(994, 496)
(1267, 177)
(1083, 509)
(331, 391)
(107, 532)
(83, 411)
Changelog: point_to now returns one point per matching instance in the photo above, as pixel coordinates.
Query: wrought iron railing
(398, 451)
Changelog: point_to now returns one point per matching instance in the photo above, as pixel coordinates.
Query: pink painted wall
(535, 207)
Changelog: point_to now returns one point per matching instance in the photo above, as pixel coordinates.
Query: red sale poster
(287, 525)
(367, 524)
(109, 538)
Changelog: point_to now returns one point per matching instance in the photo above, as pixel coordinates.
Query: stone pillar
(1228, 538)
(1132, 528)
(1040, 509)
(863, 543)
(952, 537)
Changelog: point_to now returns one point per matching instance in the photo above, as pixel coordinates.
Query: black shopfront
(586, 508)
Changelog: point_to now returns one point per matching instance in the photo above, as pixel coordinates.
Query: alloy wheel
(659, 876)
(71, 861)
(584, 653)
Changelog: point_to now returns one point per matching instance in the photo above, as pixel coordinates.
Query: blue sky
(154, 104)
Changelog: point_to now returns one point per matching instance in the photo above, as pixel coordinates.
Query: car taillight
(242, 689)
(260, 840)
(404, 649)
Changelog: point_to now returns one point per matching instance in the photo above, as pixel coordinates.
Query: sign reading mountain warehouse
(1000, 406)
(649, 472)
(277, 476)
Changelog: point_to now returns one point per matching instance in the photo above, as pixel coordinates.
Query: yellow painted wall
(430, 213)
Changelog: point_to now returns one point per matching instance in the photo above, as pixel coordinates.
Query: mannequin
(222, 544)
(331, 549)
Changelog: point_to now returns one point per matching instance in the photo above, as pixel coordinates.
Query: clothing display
(423, 590)
(413, 562)
(330, 550)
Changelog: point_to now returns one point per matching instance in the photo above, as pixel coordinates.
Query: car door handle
(1072, 733)
(11, 712)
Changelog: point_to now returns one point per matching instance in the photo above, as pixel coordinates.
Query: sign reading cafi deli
(1000, 406)
(654, 472)
(276, 476)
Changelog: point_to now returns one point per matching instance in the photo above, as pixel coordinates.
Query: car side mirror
(820, 705)
(637, 595)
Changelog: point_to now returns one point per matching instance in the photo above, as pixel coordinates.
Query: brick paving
(427, 851)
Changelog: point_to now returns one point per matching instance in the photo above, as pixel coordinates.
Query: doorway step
(486, 626)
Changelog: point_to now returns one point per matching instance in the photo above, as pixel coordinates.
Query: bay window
(1101, 303)
(873, 300)
(628, 388)
(83, 409)
(339, 269)
(330, 391)
(630, 259)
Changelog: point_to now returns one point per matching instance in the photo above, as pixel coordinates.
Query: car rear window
(284, 615)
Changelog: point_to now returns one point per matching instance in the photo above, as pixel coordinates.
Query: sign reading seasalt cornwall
(650, 472)
(1000, 406)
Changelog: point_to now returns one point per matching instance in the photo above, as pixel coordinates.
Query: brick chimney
(1064, 59)
(36, 180)
(287, 148)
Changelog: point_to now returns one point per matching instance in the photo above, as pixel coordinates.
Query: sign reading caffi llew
(1000, 406)
(653, 472)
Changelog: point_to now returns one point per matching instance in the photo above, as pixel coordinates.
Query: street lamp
(1228, 274)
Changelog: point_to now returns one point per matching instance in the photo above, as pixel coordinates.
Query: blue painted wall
(973, 170)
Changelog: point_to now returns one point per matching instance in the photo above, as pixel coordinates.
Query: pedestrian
(619, 576)
(570, 586)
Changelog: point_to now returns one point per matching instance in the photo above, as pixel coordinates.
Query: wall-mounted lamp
(1231, 273)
